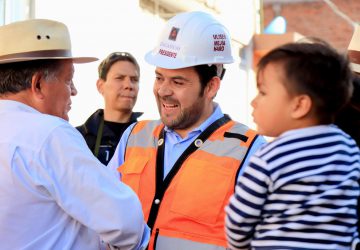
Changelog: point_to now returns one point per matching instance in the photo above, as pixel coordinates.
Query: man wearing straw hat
(184, 166)
(54, 194)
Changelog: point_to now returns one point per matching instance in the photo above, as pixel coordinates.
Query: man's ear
(37, 85)
(213, 87)
(301, 106)
(99, 85)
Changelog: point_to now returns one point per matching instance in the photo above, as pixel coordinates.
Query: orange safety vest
(186, 209)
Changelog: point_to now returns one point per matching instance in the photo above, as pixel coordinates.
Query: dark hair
(348, 118)
(205, 73)
(315, 69)
(15, 77)
(114, 57)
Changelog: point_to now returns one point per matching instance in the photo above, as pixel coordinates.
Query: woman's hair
(315, 69)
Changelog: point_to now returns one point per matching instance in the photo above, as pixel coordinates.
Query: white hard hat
(189, 39)
(354, 50)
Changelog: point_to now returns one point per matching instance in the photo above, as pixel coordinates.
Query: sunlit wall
(101, 27)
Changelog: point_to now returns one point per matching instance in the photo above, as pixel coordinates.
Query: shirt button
(156, 201)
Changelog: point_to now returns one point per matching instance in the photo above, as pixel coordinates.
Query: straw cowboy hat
(36, 39)
(354, 50)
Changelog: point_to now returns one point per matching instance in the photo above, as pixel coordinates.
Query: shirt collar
(213, 117)
(10, 105)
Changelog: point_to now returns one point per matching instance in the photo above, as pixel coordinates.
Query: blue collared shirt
(175, 145)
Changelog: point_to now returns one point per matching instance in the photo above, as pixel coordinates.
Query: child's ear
(301, 106)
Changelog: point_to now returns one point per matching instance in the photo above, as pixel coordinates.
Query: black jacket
(110, 136)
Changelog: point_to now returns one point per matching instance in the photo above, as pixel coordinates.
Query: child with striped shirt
(300, 190)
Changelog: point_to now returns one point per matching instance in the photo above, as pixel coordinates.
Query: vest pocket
(201, 190)
(131, 172)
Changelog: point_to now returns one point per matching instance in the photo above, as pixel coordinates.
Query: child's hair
(316, 69)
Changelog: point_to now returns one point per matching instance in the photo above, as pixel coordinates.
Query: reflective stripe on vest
(192, 207)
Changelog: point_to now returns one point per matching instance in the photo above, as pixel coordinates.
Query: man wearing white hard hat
(184, 167)
(54, 194)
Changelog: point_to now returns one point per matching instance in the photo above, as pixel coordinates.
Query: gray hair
(16, 77)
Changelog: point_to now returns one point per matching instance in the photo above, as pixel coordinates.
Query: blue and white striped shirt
(298, 192)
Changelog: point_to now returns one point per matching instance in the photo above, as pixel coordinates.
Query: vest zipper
(162, 184)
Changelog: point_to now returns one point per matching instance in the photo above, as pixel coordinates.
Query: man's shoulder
(149, 127)
(143, 123)
(135, 116)
(40, 127)
(45, 121)
(239, 125)
(91, 125)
